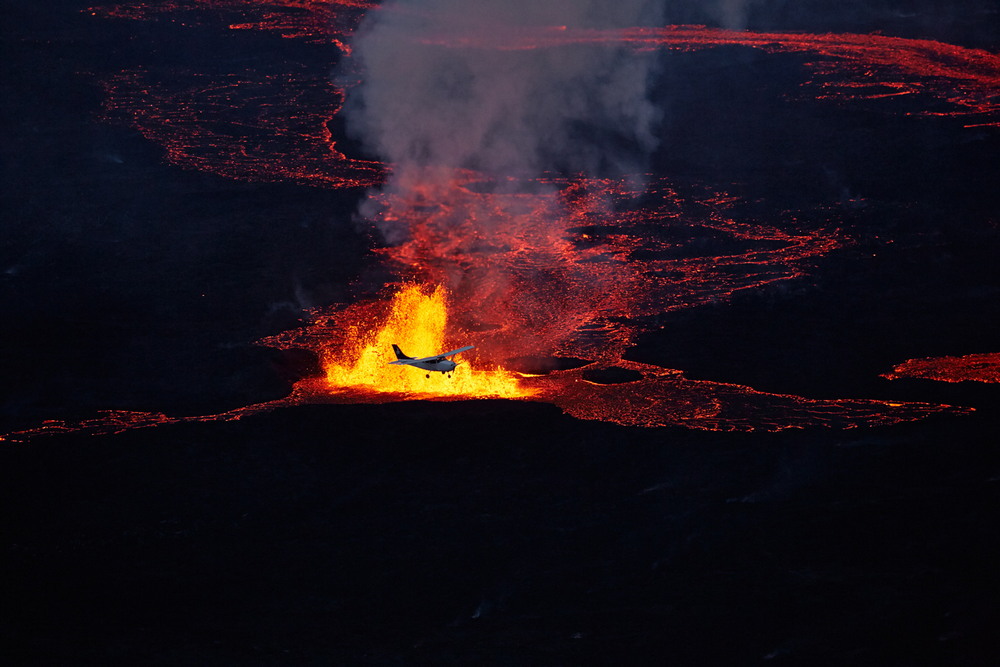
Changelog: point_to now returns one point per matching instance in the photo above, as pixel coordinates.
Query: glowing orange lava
(553, 267)
(230, 125)
(968, 368)
(417, 321)
(202, 120)
(546, 284)
(566, 267)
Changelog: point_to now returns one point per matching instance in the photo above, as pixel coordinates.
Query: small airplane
(438, 362)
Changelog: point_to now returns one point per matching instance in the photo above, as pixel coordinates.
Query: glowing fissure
(194, 117)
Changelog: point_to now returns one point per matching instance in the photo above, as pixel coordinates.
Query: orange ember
(970, 368)
(417, 321)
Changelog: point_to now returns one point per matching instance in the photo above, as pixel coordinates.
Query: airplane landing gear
(428, 376)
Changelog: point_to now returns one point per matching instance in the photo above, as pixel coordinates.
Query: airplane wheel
(428, 376)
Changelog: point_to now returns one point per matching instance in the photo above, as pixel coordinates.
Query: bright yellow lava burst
(416, 323)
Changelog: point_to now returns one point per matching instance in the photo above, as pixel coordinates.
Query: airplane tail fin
(399, 352)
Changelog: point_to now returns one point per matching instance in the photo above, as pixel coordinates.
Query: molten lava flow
(310, 20)
(569, 267)
(969, 368)
(547, 267)
(573, 272)
(859, 66)
(230, 125)
(205, 113)
(417, 321)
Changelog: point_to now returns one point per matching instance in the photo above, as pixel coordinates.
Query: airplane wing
(436, 357)
(453, 352)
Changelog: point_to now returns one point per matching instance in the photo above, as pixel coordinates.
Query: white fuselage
(440, 365)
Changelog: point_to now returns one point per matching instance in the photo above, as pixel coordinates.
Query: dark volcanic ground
(485, 532)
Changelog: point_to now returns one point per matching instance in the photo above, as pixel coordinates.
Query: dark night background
(488, 532)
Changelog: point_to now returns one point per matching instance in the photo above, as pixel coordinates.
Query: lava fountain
(417, 321)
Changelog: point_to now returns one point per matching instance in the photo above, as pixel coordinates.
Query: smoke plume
(733, 14)
(453, 85)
